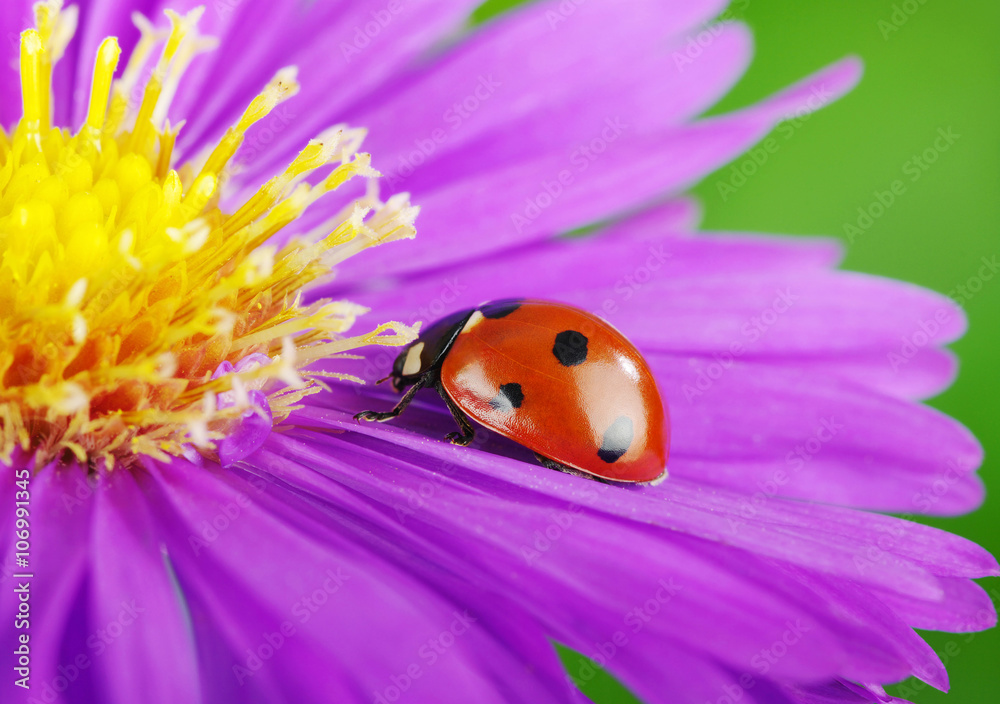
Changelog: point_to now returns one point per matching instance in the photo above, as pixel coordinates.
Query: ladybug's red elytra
(554, 378)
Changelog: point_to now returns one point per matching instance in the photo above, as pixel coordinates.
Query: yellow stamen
(33, 83)
(123, 283)
(180, 27)
(104, 70)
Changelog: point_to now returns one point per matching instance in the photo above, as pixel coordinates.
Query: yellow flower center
(123, 283)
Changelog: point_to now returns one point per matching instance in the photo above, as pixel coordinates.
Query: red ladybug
(551, 377)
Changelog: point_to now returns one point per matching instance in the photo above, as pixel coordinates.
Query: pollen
(129, 278)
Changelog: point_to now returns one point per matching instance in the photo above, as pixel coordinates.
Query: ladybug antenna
(383, 379)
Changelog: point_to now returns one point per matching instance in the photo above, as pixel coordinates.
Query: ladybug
(549, 376)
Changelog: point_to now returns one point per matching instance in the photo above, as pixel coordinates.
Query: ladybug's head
(407, 367)
(425, 354)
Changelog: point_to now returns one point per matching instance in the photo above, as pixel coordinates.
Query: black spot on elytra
(500, 309)
(510, 397)
(617, 440)
(570, 348)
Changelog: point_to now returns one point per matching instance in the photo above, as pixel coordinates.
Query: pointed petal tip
(813, 92)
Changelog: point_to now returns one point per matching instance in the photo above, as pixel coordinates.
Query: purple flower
(160, 545)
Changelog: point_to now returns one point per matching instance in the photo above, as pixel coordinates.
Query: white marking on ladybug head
(412, 364)
(473, 321)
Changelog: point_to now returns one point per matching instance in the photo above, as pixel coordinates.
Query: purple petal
(352, 48)
(15, 18)
(560, 581)
(849, 538)
(763, 296)
(249, 432)
(61, 506)
(531, 200)
(259, 565)
(486, 106)
(776, 430)
(136, 603)
(964, 607)
(838, 692)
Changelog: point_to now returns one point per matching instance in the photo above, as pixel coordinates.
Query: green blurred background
(930, 64)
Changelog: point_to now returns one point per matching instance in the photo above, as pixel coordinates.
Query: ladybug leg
(468, 432)
(400, 407)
